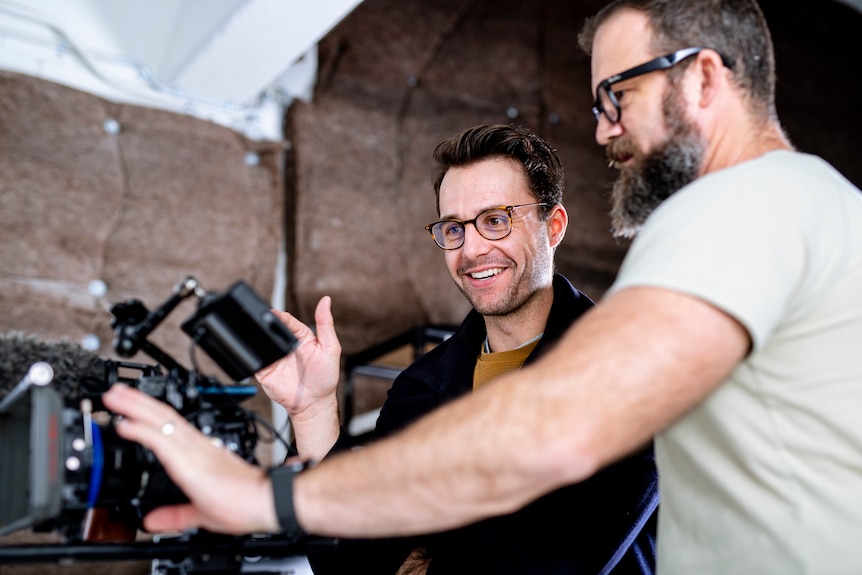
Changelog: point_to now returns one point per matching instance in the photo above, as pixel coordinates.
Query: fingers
(322, 317)
(296, 327)
(156, 426)
(139, 408)
(203, 471)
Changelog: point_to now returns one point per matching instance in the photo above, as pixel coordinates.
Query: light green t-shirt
(765, 475)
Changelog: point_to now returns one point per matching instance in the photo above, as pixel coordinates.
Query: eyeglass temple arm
(680, 55)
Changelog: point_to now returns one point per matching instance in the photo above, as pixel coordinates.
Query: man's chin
(490, 306)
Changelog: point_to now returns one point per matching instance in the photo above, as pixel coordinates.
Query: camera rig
(65, 469)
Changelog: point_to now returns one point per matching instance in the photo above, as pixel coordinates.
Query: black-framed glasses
(492, 224)
(606, 100)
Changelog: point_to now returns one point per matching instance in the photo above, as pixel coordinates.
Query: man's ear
(712, 76)
(558, 221)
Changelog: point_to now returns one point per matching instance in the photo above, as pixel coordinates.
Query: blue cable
(244, 390)
(98, 466)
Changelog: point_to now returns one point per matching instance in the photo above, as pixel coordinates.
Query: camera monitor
(239, 332)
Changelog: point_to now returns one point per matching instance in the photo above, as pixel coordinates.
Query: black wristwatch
(282, 492)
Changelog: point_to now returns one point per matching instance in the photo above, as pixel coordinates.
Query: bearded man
(731, 336)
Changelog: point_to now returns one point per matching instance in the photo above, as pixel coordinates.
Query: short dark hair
(540, 162)
(735, 28)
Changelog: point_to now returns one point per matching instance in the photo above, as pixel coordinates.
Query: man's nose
(474, 242)
(606, 130)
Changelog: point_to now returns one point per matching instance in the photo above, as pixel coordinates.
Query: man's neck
(515, 329)
(745, 138)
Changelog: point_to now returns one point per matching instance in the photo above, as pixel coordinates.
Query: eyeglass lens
(494, 224)
(606, 103)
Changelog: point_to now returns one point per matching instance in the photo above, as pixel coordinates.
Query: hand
(226, 493)
(305, 382)
(307, 377)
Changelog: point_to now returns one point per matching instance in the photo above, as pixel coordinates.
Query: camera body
(61, 457)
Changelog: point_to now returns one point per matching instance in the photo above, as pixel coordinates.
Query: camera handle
(133, 323)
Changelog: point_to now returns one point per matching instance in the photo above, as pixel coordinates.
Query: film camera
(61, 459)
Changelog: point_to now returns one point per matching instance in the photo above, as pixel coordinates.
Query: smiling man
(499, 192)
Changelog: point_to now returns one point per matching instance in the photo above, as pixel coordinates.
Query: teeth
(486, 273)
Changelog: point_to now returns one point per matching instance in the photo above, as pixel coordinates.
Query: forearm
(427, 478)
(628, 369)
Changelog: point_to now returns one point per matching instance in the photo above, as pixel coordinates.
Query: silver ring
(168, 428)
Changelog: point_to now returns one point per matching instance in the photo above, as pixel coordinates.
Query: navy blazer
(576, 529)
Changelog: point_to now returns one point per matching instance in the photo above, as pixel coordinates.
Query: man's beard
(518, 293)
(656, 175)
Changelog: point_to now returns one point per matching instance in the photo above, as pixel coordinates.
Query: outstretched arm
(305, 382)
(625, 371)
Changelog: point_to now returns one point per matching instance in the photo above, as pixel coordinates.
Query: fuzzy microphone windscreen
(73, 366)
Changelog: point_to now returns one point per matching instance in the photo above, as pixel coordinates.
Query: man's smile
(484, 274)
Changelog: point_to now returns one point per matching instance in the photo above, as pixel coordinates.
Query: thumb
(326, 324)
(172, 518)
